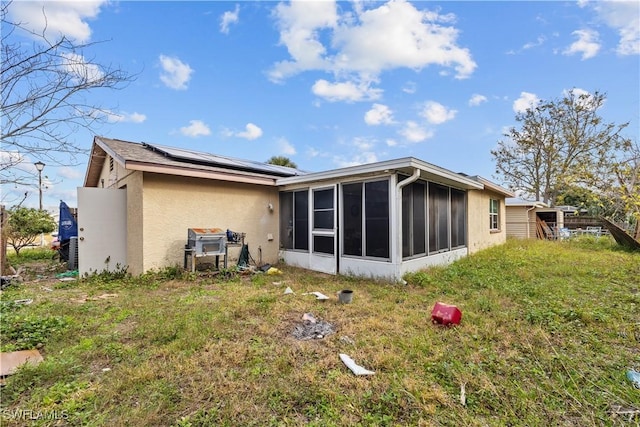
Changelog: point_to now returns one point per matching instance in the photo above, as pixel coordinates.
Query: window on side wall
(294, 220)
(494, 215)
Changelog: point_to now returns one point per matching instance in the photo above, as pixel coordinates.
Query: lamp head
(39, 165)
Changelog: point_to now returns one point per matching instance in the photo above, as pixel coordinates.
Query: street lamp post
(39, 165)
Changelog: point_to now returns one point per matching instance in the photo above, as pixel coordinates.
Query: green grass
(548, 332)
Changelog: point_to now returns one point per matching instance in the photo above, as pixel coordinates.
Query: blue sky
(332, 84)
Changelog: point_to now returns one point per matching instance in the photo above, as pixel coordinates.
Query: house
(379, 220)
(532, 219)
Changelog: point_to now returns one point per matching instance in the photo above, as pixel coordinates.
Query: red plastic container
(446, 314)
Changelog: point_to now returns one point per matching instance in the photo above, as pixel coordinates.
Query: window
(414, 219)
(438, 218)
(366, 219)
(110, 164)
(323, 220)
(352, 219)
(323, 209)
(458, 218)
(294, 220)
(494, 215)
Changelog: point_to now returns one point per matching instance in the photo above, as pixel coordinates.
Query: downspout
(399, 186)
(529, 210)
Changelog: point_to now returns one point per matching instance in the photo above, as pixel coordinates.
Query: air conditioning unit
(72, 263)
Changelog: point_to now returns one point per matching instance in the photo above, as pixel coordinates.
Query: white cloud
(251, 132)
(391, 142)
(477, 99)
(539, 42)
(623, 17)
(229, 18)
(195, 129)
(582, 97)
(378, 114)
(360, 44)
(526, 101)
(358, 159)
(70, 173)
(363, 144)
(81, 70)
(436, 113)
(409, 87)
(587, 44)
(345, 91)
(124, 117)
(55, 18)
(175, 73)
(285, 147)
(412, 132)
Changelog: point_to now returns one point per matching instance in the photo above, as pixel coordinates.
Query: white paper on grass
(319, 295)
(288, 291)
(355, 368)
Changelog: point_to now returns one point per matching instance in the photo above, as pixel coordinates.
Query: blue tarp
(67, 227)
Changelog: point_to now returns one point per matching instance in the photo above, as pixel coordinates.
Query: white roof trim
(426, 169)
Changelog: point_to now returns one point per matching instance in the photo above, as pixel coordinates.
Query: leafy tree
(282, 161)
(25, 225)
(558, 143)
(43, 89)
(625, 184)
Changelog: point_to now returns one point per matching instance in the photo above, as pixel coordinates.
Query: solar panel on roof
(215, 160)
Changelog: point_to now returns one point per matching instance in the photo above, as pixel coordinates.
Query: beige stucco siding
(172, 205)
(480, 237)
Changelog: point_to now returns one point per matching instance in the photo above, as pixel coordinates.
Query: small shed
(532, 219)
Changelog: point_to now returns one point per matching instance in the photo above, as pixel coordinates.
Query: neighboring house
(532, 219)
(379, 220)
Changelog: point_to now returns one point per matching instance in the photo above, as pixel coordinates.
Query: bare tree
(559, 144)
(43, 88)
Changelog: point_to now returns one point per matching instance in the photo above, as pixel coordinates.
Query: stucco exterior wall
(479, 235)
(172, 205)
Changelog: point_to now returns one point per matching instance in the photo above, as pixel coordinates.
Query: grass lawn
(548, 331)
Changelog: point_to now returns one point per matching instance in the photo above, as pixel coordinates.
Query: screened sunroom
(377, 220)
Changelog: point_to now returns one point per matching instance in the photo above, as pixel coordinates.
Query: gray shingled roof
(129, 154)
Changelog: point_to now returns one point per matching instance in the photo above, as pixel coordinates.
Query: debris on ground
(345, 339)
(312, 328)
(23, 301)
(273, 270)
(309, 317)
(288, 291)
(355, 368)
(634, 377)
(319, 295)
(446, 314)
(6, 281)
(463, 394)
(70, 273)
(11, 361)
